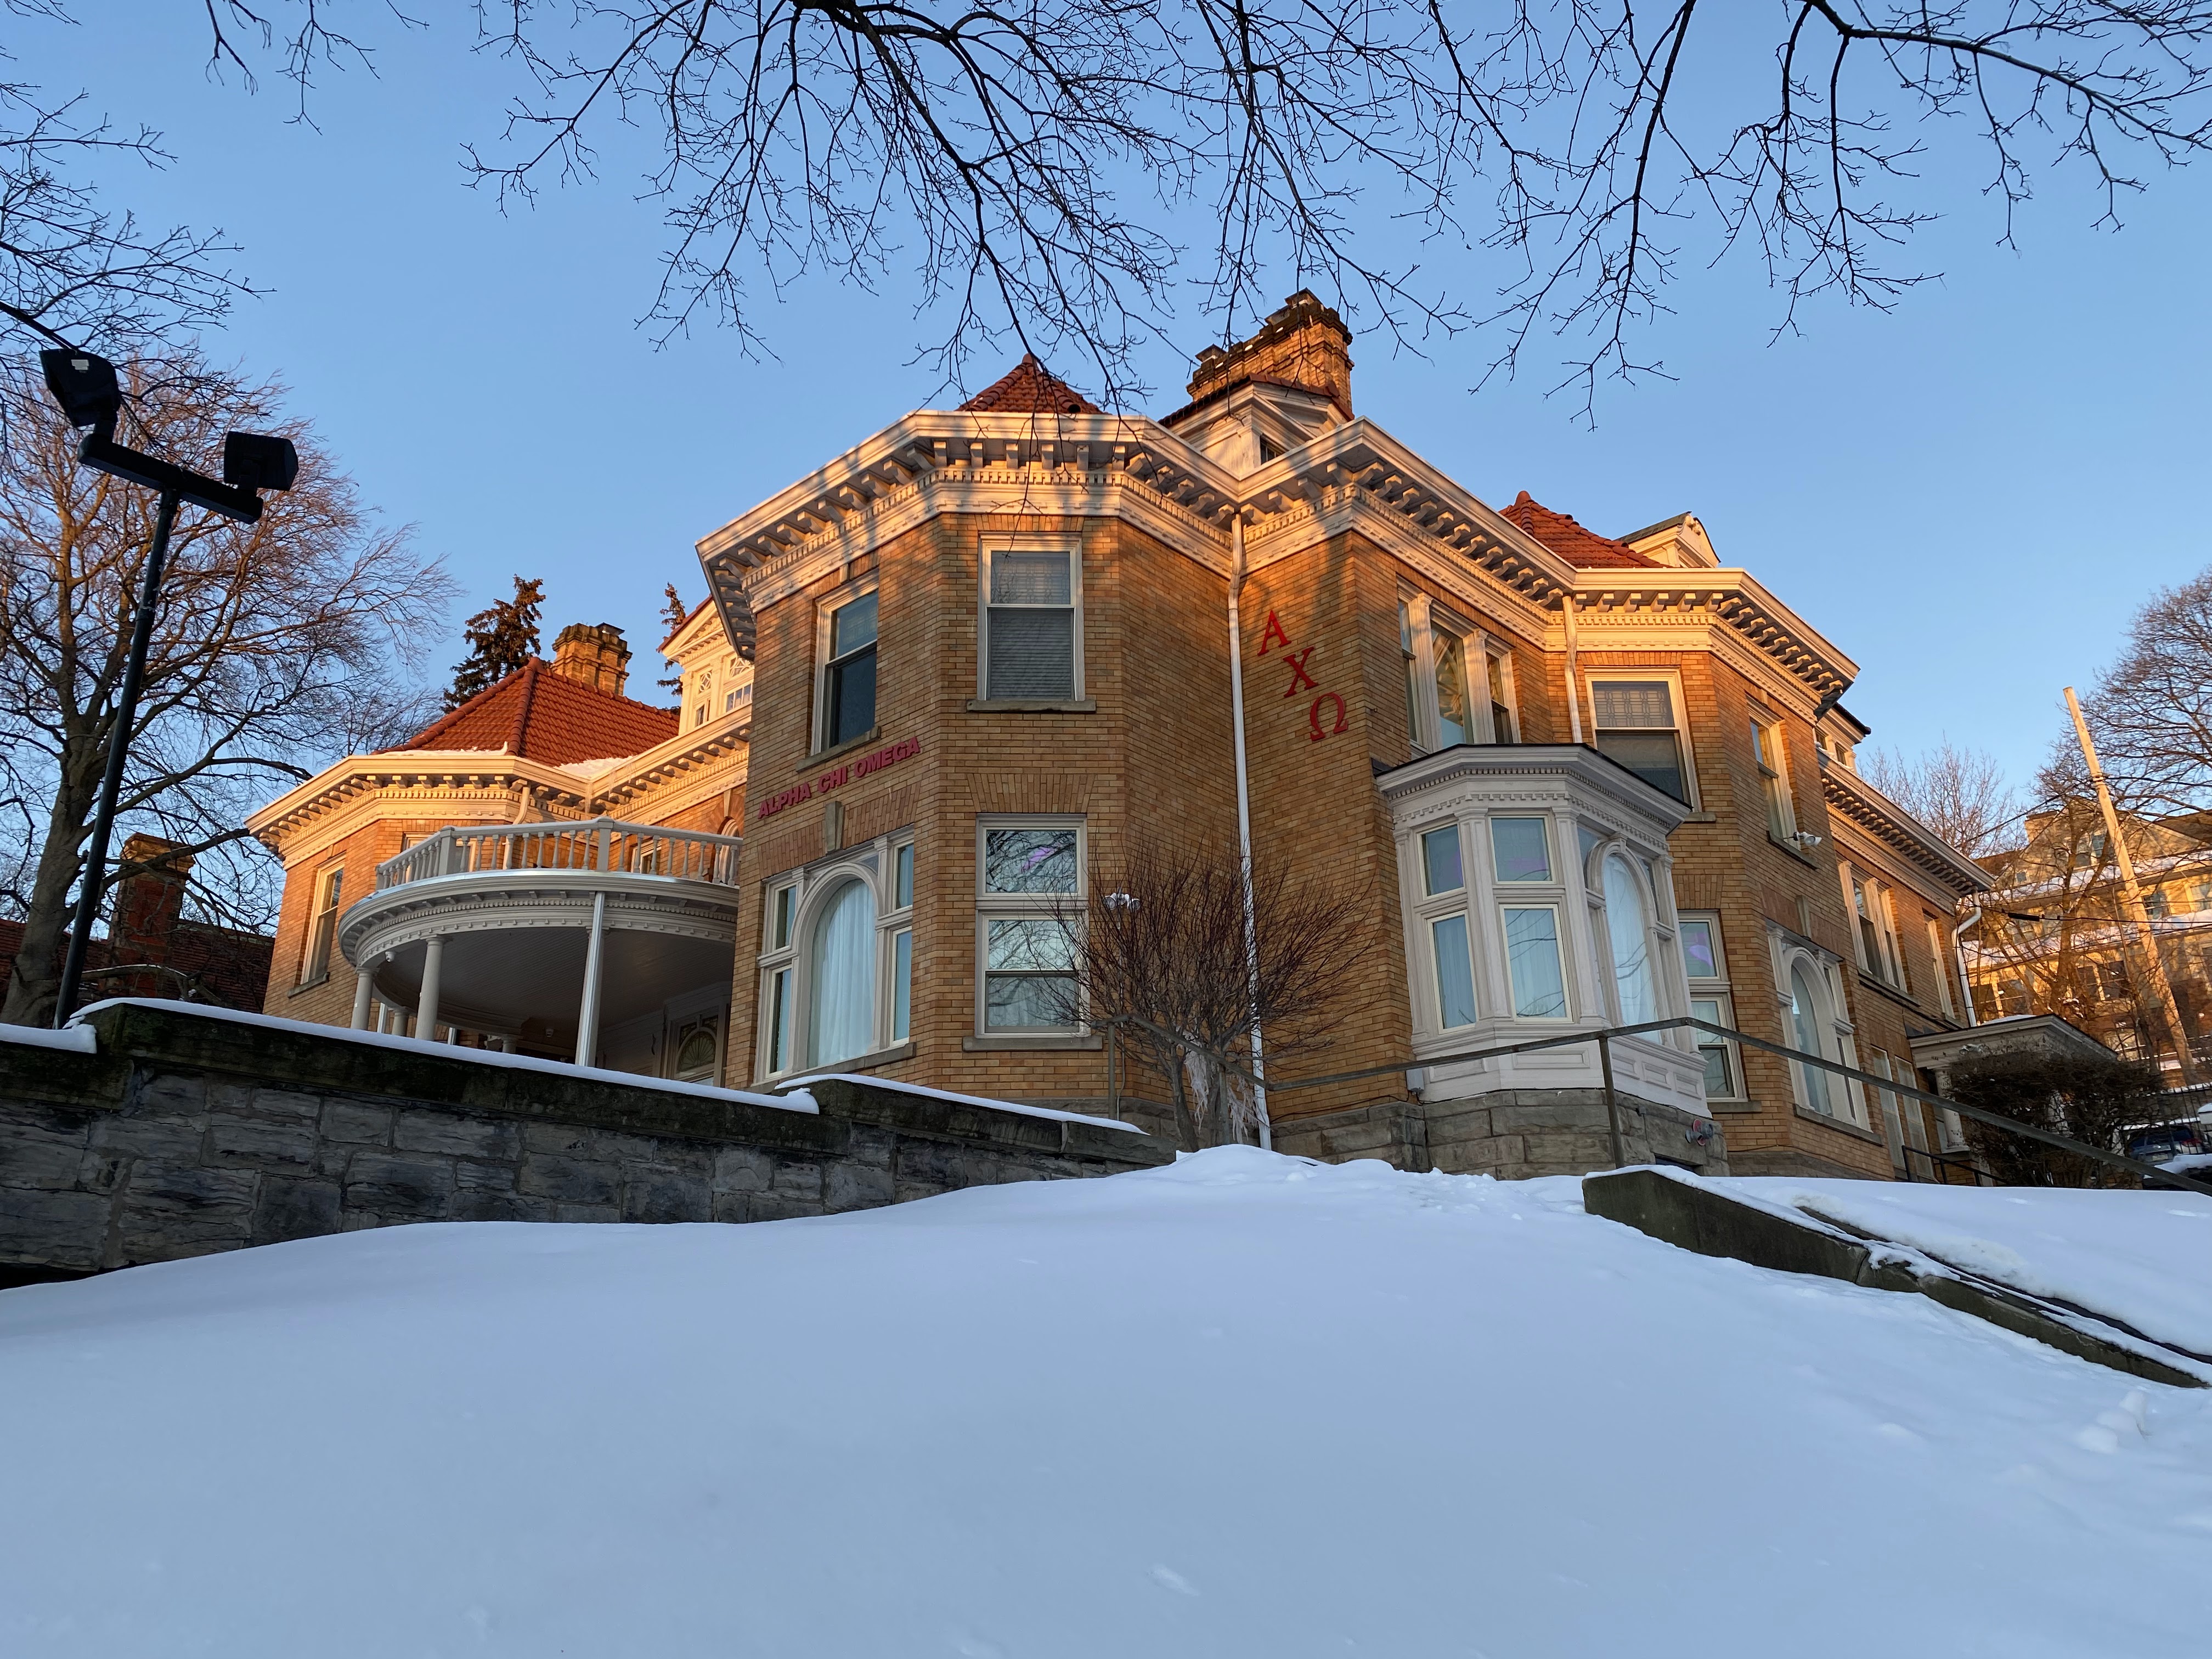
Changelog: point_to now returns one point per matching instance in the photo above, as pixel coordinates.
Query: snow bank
(1241, 1406)
(2138, 1257)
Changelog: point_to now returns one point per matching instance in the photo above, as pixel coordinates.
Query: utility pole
(2138, 918)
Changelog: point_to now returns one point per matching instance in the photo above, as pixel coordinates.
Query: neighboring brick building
(150, 949)
(1579, 782)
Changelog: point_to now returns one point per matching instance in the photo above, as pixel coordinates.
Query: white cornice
(1859, 802)
(1355, 475)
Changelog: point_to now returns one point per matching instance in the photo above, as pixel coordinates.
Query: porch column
(363, 993)
(588, 1016)
(425, 1007)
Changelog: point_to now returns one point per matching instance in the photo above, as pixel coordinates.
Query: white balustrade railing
(603, 844)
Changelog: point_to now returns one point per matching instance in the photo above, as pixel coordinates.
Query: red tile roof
(542, 715)
(1029, 388)
(1571, 541)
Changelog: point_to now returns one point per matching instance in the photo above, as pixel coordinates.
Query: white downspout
(1245, 822)
(1959, 961)
(1574, 675)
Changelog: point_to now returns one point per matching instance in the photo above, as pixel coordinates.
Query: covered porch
(607, 942)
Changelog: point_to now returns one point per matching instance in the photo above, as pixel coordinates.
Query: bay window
(1628, 932)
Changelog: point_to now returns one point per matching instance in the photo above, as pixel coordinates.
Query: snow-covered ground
(1246, 1406)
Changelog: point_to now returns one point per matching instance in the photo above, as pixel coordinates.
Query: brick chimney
(595, 653)
(149, 905)
(1303, 344)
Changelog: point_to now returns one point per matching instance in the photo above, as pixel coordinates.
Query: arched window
(843, 964)
(1805, 1024)
(1628, 929)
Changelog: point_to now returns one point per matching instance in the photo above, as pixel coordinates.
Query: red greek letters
(1300, 680)
(1272, 634)
(1313, 717)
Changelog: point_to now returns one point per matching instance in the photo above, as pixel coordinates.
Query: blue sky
(1969, 496)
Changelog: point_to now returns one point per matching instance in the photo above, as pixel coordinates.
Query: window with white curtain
(842, 975)
(1032, 623)
(1819, 1090)
(1628, 932)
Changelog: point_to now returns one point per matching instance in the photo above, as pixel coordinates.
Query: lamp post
(90, 395)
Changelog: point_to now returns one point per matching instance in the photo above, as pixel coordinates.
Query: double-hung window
(779, 985)
(1939, 952)
(847, 690)
(323, 924)
(899, 918)
(1521, 868)
(1459, 687)
(1443, 879)
(1875, 920)
(1704, 963)
(1505, 718)
(1638, 725)
(1032, 623)
(1767, 756)
(703, 699)
(1029, 915)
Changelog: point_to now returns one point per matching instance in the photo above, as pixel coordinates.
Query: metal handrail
(596, 844)
(1603, 1039)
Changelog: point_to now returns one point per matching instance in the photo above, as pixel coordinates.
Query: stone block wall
(186, 1134)
(1513, 1133)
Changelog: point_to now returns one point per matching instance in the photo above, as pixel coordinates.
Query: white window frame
(988, 545)
(1423, 617)
(1502, 895)
(1496, 652)
(892, 925)
(1658, 925)
(1836, 1034)
(872, 862)
(321, 943)
(826, 608)
(1014, 906)
(703, 709)
(1430, 908)
(1938, 951)
(1592, 678)
(1770, 757)
(1715, 989)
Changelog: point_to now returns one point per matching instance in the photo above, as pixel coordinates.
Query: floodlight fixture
(85, 385)
(251, 461)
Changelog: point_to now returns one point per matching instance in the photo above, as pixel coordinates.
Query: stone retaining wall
(188, 1133)
(1514, 1135)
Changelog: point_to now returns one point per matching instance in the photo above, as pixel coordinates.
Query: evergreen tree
(501, 638)
(673, 615)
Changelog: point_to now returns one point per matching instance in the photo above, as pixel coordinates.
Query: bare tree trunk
(1186, 1124)
(36, 980)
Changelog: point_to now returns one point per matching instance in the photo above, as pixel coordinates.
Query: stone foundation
(188, 1133)
(1512, 1133)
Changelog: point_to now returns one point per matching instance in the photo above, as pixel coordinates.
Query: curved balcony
(545, 934)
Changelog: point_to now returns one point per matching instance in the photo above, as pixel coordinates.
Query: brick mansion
(954, 681)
